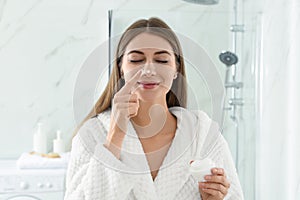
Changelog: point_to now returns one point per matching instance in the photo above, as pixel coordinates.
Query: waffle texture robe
(94, 173)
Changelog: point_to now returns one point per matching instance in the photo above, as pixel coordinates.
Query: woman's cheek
(128, 75)
(167, 74)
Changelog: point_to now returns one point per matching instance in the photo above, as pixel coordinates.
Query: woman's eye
(136, 61)
(162, 61)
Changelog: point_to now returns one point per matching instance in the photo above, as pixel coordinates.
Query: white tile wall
(43, 47)
(278, 176)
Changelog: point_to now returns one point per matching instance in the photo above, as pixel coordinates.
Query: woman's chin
(151, 96)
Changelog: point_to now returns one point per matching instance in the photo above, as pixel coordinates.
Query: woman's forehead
(148, 42)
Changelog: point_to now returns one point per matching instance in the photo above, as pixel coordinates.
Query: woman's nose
(149, 69)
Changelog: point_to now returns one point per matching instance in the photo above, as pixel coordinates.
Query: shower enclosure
(214, 86)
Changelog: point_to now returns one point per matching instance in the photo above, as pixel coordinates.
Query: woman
(139, 140)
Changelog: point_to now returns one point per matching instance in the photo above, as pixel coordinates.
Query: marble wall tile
(277, 177)
(43, 46)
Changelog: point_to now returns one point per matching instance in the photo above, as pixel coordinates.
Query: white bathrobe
(94, 173)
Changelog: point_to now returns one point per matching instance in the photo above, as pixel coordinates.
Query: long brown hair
(177, 96)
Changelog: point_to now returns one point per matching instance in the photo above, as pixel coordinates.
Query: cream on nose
(149, 70)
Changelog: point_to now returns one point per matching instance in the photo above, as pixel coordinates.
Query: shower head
(228, 58)
(203, 2)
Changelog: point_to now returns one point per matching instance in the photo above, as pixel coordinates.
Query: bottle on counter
(40, 140)
(58, 143)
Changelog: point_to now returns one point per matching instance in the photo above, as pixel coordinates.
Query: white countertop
(8, 166)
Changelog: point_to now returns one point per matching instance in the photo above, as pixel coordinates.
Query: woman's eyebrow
(135, 51)
(142, 53)
(162, 52)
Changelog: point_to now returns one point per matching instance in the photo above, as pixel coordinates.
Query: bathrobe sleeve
(212, 144)
(93, 171)
(225, 160)
(221, 156)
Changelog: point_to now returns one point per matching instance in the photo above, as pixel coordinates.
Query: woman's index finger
(126, 89)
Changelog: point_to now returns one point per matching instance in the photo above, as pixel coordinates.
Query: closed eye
(136, 61)
(162, 61)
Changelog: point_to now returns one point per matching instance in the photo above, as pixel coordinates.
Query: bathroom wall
(43, 49)
(278, 153)
(269, 120)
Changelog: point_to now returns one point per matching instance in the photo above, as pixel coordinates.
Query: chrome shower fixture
(203, 2)
(228, 58)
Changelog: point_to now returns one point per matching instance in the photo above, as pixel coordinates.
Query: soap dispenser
(40, 140)
(58, 143)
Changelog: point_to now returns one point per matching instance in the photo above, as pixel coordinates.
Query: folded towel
(34, 161)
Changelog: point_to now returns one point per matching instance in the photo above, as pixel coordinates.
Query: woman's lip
(148, 83)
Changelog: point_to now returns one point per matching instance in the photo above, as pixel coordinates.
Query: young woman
(139, 140)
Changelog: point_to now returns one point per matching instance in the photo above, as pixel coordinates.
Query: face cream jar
(200, 168)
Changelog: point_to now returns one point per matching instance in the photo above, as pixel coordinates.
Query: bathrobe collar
(174, 171)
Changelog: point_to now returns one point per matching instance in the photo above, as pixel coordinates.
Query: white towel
(29, 161)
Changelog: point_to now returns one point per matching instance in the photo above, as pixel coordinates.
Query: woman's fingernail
(202, 184)
(207, 177)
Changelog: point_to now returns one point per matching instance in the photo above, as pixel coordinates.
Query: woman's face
(155, 57)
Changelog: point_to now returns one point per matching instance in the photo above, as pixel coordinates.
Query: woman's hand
(125, 104)
(216, 185)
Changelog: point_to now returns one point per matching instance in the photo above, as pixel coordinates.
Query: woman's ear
(119, 64)
(122, 74)
(175, 75)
